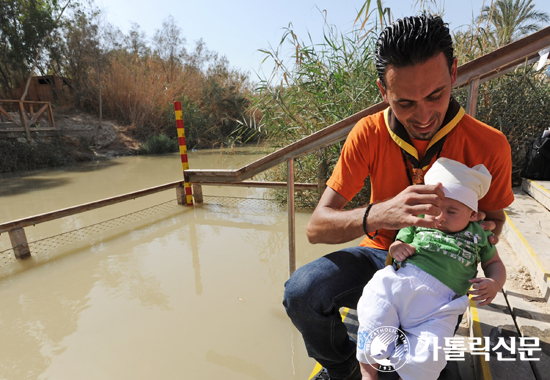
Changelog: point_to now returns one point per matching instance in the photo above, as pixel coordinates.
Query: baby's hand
(484, 289)
(400, 251)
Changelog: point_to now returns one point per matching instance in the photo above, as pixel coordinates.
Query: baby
(426, 295)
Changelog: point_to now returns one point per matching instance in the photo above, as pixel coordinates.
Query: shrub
(159, 144)
(18, 155)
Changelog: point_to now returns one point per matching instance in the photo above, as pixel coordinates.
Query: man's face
(454, 216)
(419, 95)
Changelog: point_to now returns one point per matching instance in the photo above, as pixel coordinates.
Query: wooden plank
(532, 58)
(507, 55)
(540, 190)
(530, 311)
(322, 138)
(41, 218)
(35, 117)
(262, 184)
(530, 244)
(3, 112)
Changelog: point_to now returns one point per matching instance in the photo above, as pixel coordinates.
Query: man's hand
(400, 250)
(484, 289)
(492, 221)
(403, 210)
(330, 224)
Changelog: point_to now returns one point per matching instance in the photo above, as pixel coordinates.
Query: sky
(237, 29)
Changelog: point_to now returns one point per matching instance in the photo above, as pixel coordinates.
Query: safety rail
(472, 74)
(17, 234)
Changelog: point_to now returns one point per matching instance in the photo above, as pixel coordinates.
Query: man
(416, 68)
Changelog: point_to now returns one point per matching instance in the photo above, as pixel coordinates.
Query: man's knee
(297, 291)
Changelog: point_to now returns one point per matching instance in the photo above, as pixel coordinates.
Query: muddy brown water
(187, 293)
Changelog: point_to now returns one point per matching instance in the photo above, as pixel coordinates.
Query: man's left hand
(487, 225)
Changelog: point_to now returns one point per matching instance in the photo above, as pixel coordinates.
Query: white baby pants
(421, 306)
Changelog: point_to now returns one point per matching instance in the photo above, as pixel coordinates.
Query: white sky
(238, 28)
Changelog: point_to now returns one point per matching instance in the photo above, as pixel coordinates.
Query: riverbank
(81, 138)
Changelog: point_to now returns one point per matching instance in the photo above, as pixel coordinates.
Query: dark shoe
(323, 375)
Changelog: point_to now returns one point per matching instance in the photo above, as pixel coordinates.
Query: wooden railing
(18, 238)
(472, 74)
(27, 120)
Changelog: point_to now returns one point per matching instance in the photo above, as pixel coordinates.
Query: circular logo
(387, 346)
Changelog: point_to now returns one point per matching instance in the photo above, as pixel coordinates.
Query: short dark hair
(412, 40)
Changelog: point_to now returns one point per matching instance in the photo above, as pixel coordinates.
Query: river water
(175, 292)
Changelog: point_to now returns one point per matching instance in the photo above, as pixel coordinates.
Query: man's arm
(330, 224)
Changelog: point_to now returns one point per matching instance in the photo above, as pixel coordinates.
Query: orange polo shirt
(370, 150)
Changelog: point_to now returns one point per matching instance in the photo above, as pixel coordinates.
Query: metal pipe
(291, 217)
(471, 106)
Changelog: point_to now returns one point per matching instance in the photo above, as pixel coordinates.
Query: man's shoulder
(373, 121)
(475, 128)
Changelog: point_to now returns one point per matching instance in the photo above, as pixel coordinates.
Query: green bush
(20, 155)
(159, 144)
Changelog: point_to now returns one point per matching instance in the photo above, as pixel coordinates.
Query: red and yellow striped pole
(183, 151)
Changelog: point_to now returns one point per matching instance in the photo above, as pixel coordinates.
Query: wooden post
(50, 116)
(471, 106)
(183, 152)
(24, 121)
(321, 172)
(180, 195)
(291, 220)
(19, 243)
(197, 193)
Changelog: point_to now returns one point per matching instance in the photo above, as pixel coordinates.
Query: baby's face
(454, 216)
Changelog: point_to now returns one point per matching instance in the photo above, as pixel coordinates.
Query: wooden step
(494, 322)
(525, 220)
(539, 190)
(530, 311)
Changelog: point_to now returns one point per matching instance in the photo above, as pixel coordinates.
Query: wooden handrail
(48, 216)
(486, 66)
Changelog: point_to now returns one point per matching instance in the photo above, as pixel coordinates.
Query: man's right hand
(330, 224)
(403, 210)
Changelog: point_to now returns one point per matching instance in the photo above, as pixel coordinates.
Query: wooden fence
(30, 113)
